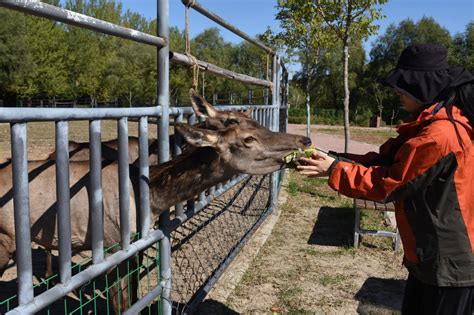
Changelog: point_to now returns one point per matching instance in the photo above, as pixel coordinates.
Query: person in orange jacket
(428, 171)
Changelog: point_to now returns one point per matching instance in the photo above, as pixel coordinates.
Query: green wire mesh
(95, 297)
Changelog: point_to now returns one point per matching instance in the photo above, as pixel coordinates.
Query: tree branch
(338, 32)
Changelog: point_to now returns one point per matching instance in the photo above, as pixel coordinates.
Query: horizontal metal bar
(52, 12)
(198, 206)
(185, 60)
(145, 301)
(61, 290)
(8, 114)
(199, 8)
(376, 233)
(176, 111)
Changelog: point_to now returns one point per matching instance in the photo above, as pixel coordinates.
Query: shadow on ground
(380, 296)
(214, 307)
(334, 227)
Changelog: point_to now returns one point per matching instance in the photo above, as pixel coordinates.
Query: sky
(253, 16)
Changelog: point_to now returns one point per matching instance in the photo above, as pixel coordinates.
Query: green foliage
(15, 58)
(43, 59)
(46, 60)
(463, 48)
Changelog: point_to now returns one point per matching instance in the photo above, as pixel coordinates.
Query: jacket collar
(433, 113)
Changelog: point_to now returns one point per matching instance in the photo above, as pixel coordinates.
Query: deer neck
(185, 176)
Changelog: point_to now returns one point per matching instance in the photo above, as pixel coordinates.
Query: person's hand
(316, 166)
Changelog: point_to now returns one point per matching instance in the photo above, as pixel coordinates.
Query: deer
(231, 144)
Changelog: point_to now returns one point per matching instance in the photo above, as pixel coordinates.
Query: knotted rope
(188, 53)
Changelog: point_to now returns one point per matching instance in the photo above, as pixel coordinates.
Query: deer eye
(249, 139)
(232, 122)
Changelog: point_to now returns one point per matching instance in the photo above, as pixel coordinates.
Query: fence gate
(180, 259)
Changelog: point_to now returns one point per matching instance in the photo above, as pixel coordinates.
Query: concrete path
(332, 142)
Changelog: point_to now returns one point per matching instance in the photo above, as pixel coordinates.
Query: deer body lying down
(215, 156)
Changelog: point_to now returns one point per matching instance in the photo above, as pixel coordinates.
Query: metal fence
(233, 209)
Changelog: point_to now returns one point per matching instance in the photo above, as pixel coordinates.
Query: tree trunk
(308, 109)
(347, 135)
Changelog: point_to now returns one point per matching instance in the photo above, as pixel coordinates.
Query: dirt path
(331, 142)
(307, 264)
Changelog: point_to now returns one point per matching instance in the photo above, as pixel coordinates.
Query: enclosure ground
(308, 264)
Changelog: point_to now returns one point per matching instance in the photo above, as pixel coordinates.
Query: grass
(308, 264)
(331, 280)
(316, 187)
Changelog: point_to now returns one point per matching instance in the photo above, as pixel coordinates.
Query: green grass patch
(288, 294)
(330, 280)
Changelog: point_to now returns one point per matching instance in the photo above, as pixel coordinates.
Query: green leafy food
(293, 156)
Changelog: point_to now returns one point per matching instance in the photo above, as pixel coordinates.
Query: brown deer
(215, 156)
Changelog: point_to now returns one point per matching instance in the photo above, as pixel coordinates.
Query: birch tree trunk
(347, 135)
(308, 109)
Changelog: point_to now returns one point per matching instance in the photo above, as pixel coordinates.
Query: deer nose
(306, 141)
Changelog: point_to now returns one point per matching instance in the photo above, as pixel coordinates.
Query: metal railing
(18, 118)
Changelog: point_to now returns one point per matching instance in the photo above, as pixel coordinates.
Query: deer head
(220, 119)
(250, 150)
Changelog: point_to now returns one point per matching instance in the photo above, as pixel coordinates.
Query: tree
(305, 38)
(45, 40)
(385, 53)
(16, 60)
(464, 48)
(348, 20)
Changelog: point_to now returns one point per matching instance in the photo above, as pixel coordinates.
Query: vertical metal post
(22, 212)
(95, 192)
(63, 197)
(275, 105)
(124, 195)
(144, 174)
(276, 93)
(192, 119)
(178, 141)
(163, 100)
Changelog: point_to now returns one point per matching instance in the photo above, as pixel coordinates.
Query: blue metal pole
(95, 192)
(63, 200)
(163, 136)
(124, 195)
(22, 212)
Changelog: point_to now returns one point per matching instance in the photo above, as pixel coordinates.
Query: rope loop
(188, 53)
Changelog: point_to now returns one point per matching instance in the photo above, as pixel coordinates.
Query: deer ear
(248, 112)
(201, 107)
(198, 137)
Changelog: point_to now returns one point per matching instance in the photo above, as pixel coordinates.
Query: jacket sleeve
(372, 158)
(377, 182)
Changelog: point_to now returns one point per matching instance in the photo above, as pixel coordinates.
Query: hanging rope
(268, 73)
(188, 53)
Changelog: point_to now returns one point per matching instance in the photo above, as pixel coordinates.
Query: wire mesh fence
(203, 244)
(96, 296)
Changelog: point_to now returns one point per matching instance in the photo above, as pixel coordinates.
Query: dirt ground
(41, 136)
(308, 264)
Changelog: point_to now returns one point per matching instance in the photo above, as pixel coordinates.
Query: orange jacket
(428, 170)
